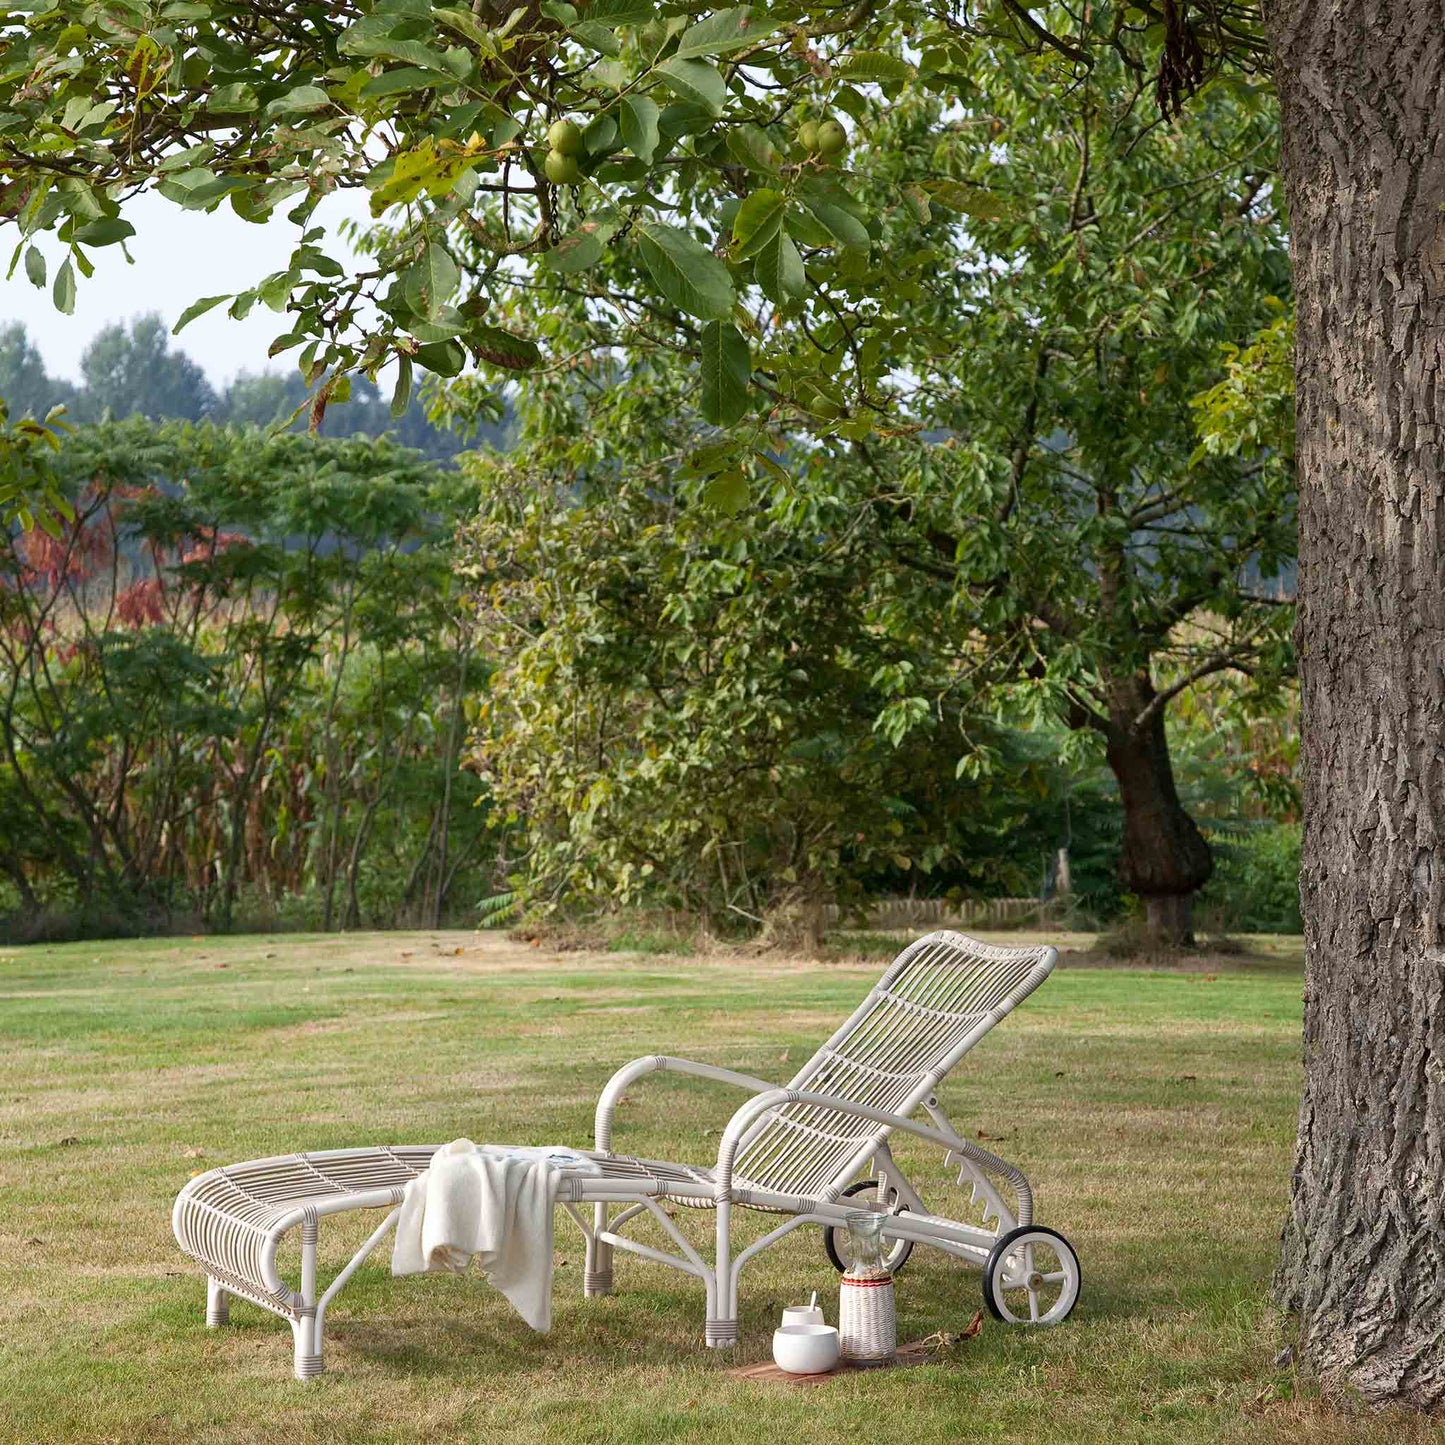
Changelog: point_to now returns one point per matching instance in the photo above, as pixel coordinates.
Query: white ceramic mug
(803, 1315)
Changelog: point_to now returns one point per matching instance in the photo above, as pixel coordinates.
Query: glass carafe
(865, 1245)
(867, 1324)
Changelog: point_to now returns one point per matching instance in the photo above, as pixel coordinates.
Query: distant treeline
(135, 371)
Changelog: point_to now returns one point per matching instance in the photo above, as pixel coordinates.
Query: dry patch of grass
(1153, 1110)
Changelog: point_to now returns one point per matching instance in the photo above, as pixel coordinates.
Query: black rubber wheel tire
(996, 1259)
(859, 1186)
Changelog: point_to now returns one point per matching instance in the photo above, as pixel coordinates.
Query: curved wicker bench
(792, 1150)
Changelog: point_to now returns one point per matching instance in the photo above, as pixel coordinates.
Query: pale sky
(179, 257)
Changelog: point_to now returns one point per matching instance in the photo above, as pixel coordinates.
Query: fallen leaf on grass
(193, 1153)
(69, 1139)
(996, 1138)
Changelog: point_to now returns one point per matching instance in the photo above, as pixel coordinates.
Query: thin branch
(1231, 661)
(1040, 32)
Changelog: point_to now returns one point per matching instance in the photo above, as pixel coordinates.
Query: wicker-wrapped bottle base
(867, 1319)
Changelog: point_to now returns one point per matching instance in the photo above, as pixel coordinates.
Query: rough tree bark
(1164, 859)
(1362, 84)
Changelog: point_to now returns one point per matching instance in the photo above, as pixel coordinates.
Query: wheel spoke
(1033, 1305)
(1059, 1276)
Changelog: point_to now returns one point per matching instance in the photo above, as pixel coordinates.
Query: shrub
(1255, 888)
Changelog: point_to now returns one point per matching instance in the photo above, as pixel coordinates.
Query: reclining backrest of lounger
(936, 1000)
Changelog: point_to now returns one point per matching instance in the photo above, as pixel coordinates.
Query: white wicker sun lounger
(797, 1150)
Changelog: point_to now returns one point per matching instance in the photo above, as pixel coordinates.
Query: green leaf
(779, 270)
(105, 232)
(63, 291)
(600, 137)
(757, 221)
(35, 266)
(445, 358)
(689, 276)
(875, 66)
(581, 248)
(502, 348)
(401, 395)
(430, 281)
(695, 80)
(727, 493)
(410, 77)
(720, 33)
(597, 37)
(299, 98)
(238, 98)
(843, 226)
(447, 322)
(750, 146)
(196, 308)
(685, 117)
(639, 125)
(966, 199)
(81, 199)
(620, 12)
(727, 365)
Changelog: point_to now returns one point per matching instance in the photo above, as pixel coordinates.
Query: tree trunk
(1363, 94)
(1165, 859)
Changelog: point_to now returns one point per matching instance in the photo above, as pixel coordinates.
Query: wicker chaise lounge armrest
(946, 1138)
(661, 1063)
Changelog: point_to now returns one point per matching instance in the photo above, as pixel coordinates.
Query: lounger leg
(308, 1337)
(722, 1322)
(597, 1271)
(218, 1305)
(308, 1354)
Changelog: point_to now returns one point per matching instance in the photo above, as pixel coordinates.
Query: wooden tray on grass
(935, 1350)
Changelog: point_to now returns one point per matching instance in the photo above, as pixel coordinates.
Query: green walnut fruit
(808, 136)
(832, 138)
(562, 170)
(565, 138)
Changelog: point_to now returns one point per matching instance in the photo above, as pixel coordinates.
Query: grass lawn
(1153, 1111)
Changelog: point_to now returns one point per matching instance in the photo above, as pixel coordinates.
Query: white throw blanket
(494, 1205)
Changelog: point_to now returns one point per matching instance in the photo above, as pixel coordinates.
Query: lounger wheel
(837, 1234)
(1032, 1277)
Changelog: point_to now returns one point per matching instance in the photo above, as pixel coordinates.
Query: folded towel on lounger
(492, 1204)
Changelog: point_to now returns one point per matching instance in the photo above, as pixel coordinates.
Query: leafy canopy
(691, 157)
